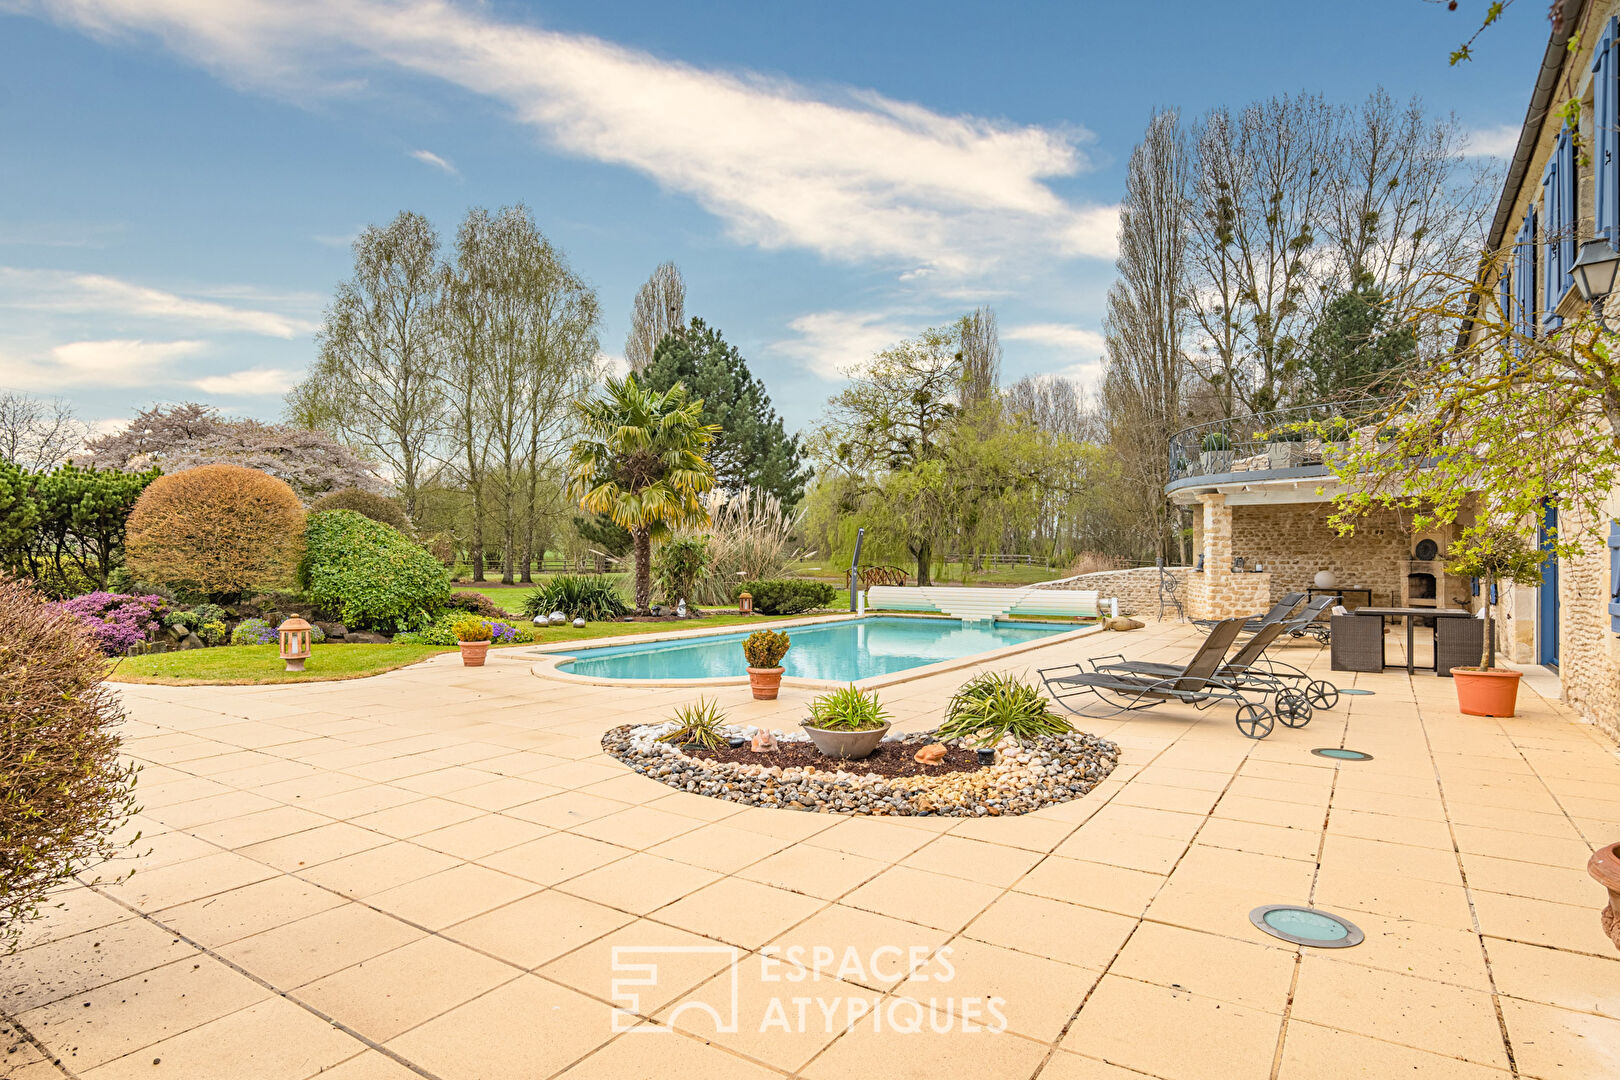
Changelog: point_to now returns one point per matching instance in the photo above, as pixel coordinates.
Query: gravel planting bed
(1025, 777)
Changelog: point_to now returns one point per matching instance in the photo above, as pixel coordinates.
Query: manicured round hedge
(369, 575)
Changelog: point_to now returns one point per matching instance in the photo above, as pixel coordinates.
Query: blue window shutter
(1550, 218)
(1605, 141)
(1524, 278)
(1614, 576)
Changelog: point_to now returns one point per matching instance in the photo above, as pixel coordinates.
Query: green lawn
(254, 664)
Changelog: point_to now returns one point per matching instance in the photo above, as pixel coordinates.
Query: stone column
(1217, 533)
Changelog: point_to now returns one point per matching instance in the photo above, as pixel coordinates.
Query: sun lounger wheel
(1294, 708)
(1323, 694)
(1254, 721)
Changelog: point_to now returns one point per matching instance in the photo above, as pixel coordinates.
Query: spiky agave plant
(702, 723)
(848, 709)
(989, 707)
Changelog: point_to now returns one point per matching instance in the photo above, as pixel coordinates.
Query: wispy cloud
(831, 342)
(254, 382)
(428, 157)
(1052, 335)
(59, 291)
(849, 174)
(1498, 142)
(118, 362)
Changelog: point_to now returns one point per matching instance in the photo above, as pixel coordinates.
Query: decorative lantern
(294, 642)
(745, 604)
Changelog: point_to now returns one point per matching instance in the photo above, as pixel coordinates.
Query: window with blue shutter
(1614, 576)
(1558, 224)
(1524, 278)
(1604, 145)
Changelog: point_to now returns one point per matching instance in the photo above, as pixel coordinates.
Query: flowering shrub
(117, 622)
(260, 632)
(213, 632)
(441, 631)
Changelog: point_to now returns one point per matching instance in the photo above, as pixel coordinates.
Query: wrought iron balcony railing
(1267, 441)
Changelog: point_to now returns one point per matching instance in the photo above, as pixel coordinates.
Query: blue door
(1547, 600)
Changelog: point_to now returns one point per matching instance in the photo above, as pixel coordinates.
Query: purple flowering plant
(119, 622)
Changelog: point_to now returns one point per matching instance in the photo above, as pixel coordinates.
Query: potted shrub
(1495, 555)
(473, 636)
(1216, 453)
(764, 650)
(846, 723)
(1285, 447)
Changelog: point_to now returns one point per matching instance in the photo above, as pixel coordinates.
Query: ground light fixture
(1307, 926)
(294, 634)
(1339, 753)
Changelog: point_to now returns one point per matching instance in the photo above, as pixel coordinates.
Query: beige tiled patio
(429, 873)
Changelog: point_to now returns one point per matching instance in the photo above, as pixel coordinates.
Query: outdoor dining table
(1410, 614)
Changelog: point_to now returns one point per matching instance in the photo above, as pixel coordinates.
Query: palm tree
(640, 461)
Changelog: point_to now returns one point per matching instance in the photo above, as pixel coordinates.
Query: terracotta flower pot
(473, 653)
(1604, 865)
(1486, 692)
(765, 682)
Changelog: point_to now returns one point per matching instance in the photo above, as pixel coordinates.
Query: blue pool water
(840, 652)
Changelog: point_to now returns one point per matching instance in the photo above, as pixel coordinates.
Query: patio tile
(554, 858)
(924, 897)
(525, 1028)
(1564, 885)
(1558, 1044)
(1392, 896)
(1312, 1052)
(1039, 996)
(657, 1051)
(314, 846)
(537, 928)
(613, 968)
(273, 1040)
(1250, 836)
(1112, 888)
(1222, 968)
(502, 794)
(973, 860)
(216, 920)
(1437, 1017)
(94, 1027)
(926, 1055)
(74, 964)
(639, 883)
(1541, 922)
(1121, 847)
(378, 869)
(1411, 947)
(1212, 1039)
(259, 826)
(302, 951)
(456, 894)
(481, 836)
(1032, 832)
(566, 810)
(1064, 1065)
(739, 912)
(413, 818)
(873, 839)
(370, 1065)
(814, 871)
(394, 991)
(177, 883)
(823, 943)
(1552, 977)
(1077, 935)
(1389, 828)
(1404, 860)
(637, 827)
(720, 848)
(783, 1024)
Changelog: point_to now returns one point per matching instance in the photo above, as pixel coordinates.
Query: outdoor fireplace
(1420, 587)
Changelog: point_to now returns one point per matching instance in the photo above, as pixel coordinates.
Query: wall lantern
(745, 604)
(294, 642)
(1595, 270)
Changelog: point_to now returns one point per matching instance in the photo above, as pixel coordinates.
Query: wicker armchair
(1357, 643)
(1458, 643)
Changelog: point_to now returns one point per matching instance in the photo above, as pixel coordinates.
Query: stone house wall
(1293, 542)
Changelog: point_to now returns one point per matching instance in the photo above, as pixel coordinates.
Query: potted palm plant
(847, 723)
(1496, 555)
(1216, 452)
(764, 650)
(473, 636)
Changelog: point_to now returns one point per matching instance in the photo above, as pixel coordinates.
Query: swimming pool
(845, 651)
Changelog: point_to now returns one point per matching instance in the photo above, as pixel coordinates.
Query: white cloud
(849, 174)
(1498, 142)
(118, 362)
(830, 342)
(253, 382)
(428, 157)
(612, 364)
(1064, 336)
(62, 291)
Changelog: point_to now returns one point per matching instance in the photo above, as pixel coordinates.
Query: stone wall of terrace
(1294, 542)
(1137, 588)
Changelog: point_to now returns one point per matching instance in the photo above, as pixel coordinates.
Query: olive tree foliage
(375, 381)
(1144, 388)
(520, 342)
(1490, 432)
(174, 438)
(660, 309)
(38, 433)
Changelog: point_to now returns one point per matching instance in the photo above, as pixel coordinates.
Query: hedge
(368, 574)
(788, 596)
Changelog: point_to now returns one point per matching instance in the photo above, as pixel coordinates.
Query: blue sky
(179, 179)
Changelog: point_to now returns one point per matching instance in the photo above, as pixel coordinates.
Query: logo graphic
(635, 970)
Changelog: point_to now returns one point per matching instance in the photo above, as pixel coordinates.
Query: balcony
(1280, 445)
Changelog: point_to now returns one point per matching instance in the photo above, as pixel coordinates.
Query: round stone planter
(1486, 692)
(765, 682)
(846, 745)
(473, 653)
(1604, 865)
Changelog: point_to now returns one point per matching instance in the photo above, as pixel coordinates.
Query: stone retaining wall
(1136, 589)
